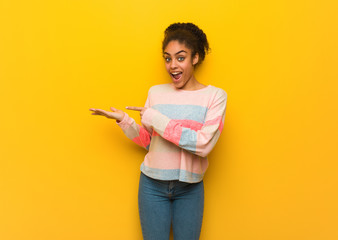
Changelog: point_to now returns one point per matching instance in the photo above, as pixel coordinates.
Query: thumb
(113, 109)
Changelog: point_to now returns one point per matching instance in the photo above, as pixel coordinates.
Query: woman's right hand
(114, 114)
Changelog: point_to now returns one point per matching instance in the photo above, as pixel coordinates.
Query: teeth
(175, 73)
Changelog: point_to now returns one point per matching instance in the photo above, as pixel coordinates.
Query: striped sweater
(179, 129)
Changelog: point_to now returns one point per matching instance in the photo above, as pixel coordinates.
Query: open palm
(114, 113)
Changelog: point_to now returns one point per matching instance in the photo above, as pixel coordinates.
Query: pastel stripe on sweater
(179, 128)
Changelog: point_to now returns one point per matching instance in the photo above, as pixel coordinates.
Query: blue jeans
(162, 203)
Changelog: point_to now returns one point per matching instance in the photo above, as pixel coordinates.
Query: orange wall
(65, 174)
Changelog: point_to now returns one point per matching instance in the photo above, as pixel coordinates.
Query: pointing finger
(135, 108)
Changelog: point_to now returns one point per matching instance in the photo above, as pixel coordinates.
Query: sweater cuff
(125, 122)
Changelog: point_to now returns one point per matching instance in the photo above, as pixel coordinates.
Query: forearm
(199, 142)
(135, 132)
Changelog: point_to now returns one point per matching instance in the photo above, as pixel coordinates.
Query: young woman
(181, 123)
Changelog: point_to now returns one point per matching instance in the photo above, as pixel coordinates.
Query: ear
(195, 59)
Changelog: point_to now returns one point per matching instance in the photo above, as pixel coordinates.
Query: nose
(173, 64)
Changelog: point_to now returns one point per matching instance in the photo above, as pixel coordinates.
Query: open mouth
(176, 75)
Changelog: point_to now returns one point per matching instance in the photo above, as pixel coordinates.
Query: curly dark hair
(190, 35)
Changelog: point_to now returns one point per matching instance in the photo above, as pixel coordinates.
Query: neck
(192, 84)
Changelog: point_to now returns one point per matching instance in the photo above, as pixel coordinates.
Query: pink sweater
(179, 129)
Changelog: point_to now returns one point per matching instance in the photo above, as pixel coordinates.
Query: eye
(167, 59)
(180, 59)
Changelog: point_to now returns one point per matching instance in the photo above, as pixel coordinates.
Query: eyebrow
(175, 53)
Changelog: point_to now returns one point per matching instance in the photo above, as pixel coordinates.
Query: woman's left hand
(140, 109)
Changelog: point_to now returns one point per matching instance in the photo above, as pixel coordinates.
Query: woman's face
(180, 64)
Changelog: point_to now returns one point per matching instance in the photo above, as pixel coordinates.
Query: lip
(172, 73)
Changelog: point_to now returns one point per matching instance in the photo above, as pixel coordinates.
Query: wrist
(120, 118)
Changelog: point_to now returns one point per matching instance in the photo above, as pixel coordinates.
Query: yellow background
(65, 174)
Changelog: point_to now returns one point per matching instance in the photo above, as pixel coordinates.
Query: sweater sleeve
(140, 134)
(199, 142)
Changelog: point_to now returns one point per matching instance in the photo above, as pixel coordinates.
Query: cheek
(167, 67)
(186, 66)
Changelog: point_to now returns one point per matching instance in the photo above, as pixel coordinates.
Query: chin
(179, 85)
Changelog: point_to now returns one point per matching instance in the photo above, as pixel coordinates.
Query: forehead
(175, 46)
